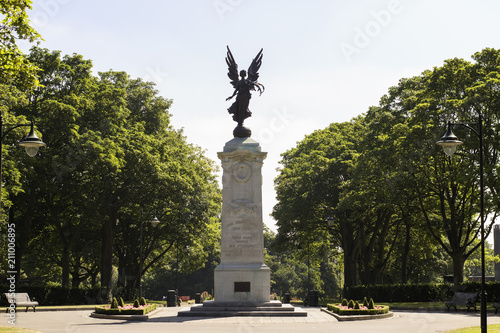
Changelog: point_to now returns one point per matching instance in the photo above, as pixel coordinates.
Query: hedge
(46, 295)
(419, 292)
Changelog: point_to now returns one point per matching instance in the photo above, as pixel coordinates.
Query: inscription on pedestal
(242, 207)
(242, 287)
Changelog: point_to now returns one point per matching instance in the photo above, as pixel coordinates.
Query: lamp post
(449, 142)
(31, 143)
(154, 222)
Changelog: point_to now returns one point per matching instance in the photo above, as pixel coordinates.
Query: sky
(324, 61)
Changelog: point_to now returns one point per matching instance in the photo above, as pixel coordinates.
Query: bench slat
(21, 299)
(460, 298)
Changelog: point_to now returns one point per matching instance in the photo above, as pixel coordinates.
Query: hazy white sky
(324, 61)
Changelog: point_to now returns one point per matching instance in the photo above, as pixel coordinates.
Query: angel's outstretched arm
(234, 94)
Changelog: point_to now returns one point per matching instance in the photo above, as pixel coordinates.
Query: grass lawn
(85, 307)
(491, 329)
(16, 330)
(395, 305)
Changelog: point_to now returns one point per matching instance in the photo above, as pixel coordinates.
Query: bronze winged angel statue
(242, 87)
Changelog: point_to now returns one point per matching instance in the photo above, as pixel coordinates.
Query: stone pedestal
(242, 274)
(242, 280)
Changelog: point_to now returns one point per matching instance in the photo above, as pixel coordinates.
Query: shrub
(350, 305)
(344, 302)
(136, 303)
(114, 303)
(205, 296)
(121, 302)
(381, 309)
(356, 306)
(365, 302)
(108, 311)
(371, 304)
(142, 301)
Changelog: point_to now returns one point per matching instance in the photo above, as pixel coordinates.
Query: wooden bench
(466, 299)
(20, 299)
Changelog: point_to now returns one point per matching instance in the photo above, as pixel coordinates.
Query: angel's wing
(232, 68)
(253, 74)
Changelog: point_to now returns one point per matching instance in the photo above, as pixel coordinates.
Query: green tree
(384, 181)
(448, 188)
(112, 155)
(310, 183)
(15, 26)
(472, 266)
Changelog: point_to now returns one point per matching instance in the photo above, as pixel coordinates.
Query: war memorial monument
(242, 279)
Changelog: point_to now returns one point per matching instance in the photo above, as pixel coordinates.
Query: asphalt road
(166, 320)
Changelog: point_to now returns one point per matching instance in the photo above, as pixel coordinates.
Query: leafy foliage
(121, 302)
(15, 26)
(114, 303)
(113, 161)
(379, 189)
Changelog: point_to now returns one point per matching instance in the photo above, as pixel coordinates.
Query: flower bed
(125, 310)
(363, 310)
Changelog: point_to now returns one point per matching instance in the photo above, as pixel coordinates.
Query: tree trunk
(404, 256)
(76, 279)
(107, 256)
(65, 265)
(458, 269)
(348, 245)
(350, 270)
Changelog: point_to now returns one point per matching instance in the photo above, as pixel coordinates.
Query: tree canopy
(15, 26)
(379, 188)
(113, 161)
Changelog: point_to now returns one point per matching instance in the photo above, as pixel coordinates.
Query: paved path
(166, 320)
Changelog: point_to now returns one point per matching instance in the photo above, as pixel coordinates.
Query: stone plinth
(242, 274)
(243, 309)
(242, 280)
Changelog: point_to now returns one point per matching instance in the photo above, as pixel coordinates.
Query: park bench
(460, 298)
(21, 299)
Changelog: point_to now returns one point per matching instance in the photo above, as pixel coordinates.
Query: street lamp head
(449, 141)
(31, 143)
(154, 222)
(330, 220)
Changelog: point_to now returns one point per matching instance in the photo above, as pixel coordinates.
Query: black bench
(466, 299)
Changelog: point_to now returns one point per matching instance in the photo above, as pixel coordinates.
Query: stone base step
(230, 310)
(243, 308)
(242, 304)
